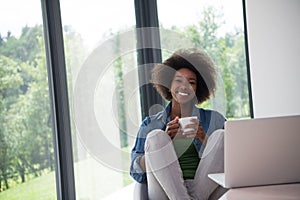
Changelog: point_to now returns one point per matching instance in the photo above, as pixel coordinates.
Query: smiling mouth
(183, 93)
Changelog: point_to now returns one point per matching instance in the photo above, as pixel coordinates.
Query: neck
(181, 110)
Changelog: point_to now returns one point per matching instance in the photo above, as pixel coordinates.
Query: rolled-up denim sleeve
(137, 152)
(136, 171)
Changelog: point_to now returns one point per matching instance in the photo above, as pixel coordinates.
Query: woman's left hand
(196, 132)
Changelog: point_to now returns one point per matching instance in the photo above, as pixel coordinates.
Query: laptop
(260, 151)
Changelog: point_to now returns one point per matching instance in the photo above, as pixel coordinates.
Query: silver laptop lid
(262, 151)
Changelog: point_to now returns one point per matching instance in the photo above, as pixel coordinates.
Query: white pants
(164, 175)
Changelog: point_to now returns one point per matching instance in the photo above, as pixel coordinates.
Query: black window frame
(54, 43)
(147, 17)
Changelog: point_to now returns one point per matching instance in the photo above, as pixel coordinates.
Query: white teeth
(182, 93)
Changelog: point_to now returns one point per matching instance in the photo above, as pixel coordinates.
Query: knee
(156, 139)
(217, 138)
(215, 143)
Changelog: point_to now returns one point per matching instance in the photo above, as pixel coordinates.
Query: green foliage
(228, 52)
(26, 130)
(26, 143)
(26, 48)
(10, 81)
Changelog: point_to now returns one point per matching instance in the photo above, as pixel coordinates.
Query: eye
(178, 80)
(192, 83)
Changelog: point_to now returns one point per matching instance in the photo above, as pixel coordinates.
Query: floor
(125, 193)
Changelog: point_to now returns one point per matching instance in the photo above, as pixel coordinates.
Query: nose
(185, 84)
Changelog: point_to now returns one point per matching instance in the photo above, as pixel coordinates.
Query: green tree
(27, 121)
(228, 52)
(10, 81)
(29, 125)
(26, 132)
(25, 48)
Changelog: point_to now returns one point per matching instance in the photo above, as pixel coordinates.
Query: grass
(41, 188)
(93, 181)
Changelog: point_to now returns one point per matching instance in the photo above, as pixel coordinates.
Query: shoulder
(150, 123)
(152, 119)
(213, 118)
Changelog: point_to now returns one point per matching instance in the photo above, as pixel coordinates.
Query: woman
(175, 164)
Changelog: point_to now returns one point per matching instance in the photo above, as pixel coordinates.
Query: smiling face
(184, 86)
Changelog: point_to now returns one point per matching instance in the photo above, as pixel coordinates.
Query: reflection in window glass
(27, 163)
(103, 85)
(216, 27)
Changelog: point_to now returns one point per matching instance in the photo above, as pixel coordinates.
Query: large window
(108, 49)
(101, 62)
(27, 161)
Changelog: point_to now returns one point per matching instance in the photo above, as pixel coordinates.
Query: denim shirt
(210, 121)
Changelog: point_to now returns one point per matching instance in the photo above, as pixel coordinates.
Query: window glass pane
(216, 26)
(27, 162)
(100, 51)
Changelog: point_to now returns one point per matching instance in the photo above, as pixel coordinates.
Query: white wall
(274, 48)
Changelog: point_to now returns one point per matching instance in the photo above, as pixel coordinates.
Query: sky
(14, 14)
(93, 18)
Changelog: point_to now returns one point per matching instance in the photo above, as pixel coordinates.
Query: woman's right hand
(173, 128)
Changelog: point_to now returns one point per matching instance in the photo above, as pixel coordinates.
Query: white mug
(185, 121)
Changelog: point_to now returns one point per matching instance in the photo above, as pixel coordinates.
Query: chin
(185, 101)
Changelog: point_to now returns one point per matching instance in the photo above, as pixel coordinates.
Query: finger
(173, 123)
(172, 134)
(176, 119)
(173, 126)
(173, 131)
(201, 135)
